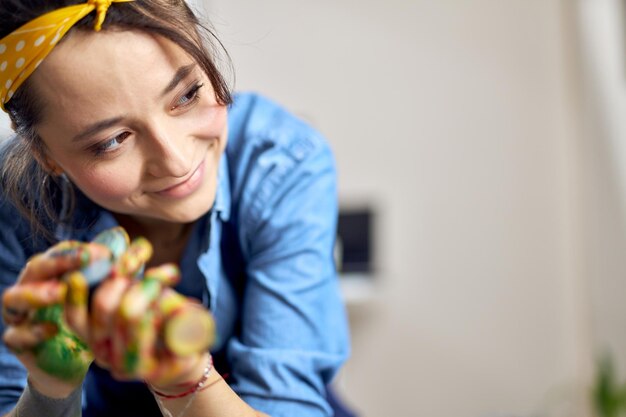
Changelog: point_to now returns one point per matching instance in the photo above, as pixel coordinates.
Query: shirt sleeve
(12, 258)
(294, 334)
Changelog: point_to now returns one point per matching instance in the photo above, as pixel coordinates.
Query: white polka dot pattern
(24, 49)
(40, 40)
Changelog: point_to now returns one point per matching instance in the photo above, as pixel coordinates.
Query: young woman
(122, 118)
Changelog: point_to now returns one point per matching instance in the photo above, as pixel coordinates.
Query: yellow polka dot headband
(22, 50)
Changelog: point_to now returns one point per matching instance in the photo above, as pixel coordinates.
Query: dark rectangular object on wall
(354, 240)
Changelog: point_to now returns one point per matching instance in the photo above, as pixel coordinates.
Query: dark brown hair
(24, 181)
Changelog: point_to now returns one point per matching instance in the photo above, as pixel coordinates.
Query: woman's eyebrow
(180, 75)
(95, 128)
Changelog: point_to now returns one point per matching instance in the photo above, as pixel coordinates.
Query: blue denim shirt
(261, 260)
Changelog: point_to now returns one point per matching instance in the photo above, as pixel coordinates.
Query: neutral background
(487, 137)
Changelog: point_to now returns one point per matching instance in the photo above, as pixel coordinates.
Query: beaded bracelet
(193, 389)
(199, 386)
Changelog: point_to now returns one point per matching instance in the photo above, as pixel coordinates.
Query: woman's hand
(136, 325)
(55, 358)
(142, 329)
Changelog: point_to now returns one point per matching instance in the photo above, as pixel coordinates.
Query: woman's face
(133, 121)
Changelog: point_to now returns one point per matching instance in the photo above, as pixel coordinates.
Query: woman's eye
(189, 97)
(111, 144)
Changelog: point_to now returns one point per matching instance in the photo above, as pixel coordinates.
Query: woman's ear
(41, 154)
(48, 164)
(53, 167)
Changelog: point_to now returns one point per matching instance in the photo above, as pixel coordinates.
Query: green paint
(52, 314)
(64, 355)
(151, 288)
(131, 359)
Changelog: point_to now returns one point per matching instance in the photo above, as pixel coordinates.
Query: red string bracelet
(196, 387)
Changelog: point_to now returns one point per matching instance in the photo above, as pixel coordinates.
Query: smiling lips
(187, 187)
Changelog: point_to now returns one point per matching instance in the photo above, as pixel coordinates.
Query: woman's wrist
(187, 384)
(186, 391)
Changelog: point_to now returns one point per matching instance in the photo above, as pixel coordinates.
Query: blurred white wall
(457, 122)
(602, 34)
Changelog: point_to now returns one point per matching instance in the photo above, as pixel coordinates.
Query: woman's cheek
(209, 122)
(106, 185)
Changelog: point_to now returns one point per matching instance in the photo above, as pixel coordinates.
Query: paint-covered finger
(63, 248)
(167, 274)
(188, 328)
(116, 239)
(43, 267)
(104, 306)
(76, 312)
(25, 337)
(139, 297)
(189, 331)
(141, 340)
(96, 263)
(134, 330)
(19, 299)
(132, 261)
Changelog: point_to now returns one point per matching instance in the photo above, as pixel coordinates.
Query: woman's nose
(167, 156)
